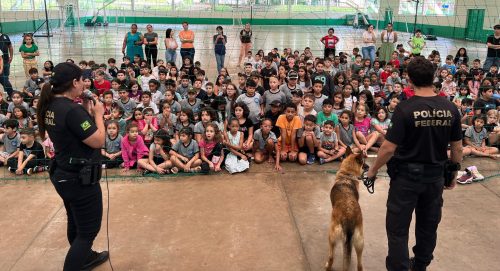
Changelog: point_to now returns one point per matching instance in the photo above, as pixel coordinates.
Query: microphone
(87, 95)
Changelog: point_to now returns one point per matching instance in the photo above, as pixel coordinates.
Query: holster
(90, 174)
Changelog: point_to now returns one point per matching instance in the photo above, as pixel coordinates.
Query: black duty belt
(420, 172)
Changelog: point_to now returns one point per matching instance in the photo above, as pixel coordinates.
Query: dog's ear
(360, 157)
(348, 151)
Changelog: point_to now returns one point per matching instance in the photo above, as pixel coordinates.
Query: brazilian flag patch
(85, 125)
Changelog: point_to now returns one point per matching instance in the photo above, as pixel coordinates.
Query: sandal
(174, 170)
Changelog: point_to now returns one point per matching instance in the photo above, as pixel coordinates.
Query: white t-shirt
(367, 35)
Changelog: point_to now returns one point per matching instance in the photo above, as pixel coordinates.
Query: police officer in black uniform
(78, 134)
(415, 151)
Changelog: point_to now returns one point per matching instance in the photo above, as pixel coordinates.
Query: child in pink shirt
(133, 147)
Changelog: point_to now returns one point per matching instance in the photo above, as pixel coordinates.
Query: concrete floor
(101, 43)
(260, 220)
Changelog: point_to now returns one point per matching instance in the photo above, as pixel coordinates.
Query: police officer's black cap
(251, 83)
(65, 71)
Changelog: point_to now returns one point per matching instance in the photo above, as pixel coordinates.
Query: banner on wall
(428, 7)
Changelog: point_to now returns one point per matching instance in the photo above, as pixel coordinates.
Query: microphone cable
(107, 217)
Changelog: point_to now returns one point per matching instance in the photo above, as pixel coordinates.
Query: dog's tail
(348, 231)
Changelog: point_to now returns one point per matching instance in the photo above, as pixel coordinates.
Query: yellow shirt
(289, 127)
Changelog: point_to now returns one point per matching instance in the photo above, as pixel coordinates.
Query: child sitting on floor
(31, 157)
(330, 148)
(475, 140)
(185, 153)
(265, 145)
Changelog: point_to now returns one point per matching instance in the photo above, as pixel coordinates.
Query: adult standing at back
(493, 55)
(170, 46)
(246, 41)
(186, 37)
(7, 53)
(133, 42)
(388, 37)
(369, 39)
(416, 144)
(29, 52)
(151, 42)
(220, 41)
(330, 41)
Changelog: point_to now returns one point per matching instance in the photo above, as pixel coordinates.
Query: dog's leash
(368, 182)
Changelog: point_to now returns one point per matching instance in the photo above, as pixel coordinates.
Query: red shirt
(408, 92)
(383, 76)
(330, 42)
(104, 86)
(395, 63)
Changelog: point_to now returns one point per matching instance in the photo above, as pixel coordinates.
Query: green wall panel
(26, 26)
(438, 30)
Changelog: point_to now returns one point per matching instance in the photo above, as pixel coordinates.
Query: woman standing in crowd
(171, 46)
(186, 37)
(369, 39)
(29, 52)
(133, 42)
(330, 41)
(246, 41)
(151, 42)
(388, 37)
(220, 41)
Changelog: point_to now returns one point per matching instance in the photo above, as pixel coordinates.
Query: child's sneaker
(38, 169)
(321, 161)
(311, 159)
(475, 173)
(466, 178)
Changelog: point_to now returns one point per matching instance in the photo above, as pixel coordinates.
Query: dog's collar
(350, 176)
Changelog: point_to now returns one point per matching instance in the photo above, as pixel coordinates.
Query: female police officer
(76, 136)
(421, 129)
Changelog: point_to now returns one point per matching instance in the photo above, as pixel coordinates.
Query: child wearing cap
(272, 94)
(273, 115)
(191, 102)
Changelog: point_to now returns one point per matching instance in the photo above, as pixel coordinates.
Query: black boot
(414, 266)
(95, 259)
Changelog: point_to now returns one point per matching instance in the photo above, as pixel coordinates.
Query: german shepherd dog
(347, 221)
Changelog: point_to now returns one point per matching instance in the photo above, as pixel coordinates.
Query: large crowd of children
(282, 106)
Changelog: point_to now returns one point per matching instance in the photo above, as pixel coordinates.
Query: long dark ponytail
(61, 81)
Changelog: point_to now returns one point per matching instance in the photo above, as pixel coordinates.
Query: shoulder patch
(85, 125)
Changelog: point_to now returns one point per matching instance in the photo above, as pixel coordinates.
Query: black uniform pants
(151, 54)
(84, 211)
(406, 195)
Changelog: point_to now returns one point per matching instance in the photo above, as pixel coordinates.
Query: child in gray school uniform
(11, 141)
